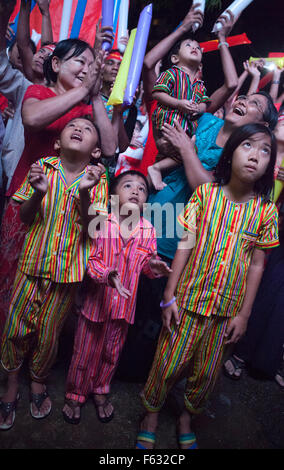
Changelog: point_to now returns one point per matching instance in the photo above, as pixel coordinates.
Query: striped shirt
(55, 246)
(130, 257)
(226, 233)
(176, 83)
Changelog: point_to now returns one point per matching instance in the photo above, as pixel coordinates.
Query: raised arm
(46, 26)
(6, 10)
(163, 47)
(219, 97)
(274, 88)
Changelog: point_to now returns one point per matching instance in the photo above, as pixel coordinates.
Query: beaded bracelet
(222, 44)
(162, 305)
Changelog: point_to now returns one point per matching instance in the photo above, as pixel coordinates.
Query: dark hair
(62, 49)
(176, 47)
(222, 173)
(118, 178)
(270, 114)
(88, 118)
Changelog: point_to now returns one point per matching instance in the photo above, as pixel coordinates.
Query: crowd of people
(205, 256)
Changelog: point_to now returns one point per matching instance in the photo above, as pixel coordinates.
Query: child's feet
(146, 437)
(8, 404)
(186, 438)
(233, 367)
(155, 178)
(104, 408)
(40, 405)
(72, 412)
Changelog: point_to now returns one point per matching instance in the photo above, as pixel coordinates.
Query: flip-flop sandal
(37, 399)
(145, 436)
(188, 439)
(105, 419)
(72, 404)
(237, 364)
(5, 410)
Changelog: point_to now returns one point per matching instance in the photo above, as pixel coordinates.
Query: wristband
(276, 82)
(223, 44)
(162, 305)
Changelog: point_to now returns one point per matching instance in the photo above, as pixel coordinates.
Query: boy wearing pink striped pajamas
(123, 248)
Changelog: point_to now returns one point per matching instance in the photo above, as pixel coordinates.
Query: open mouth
(134, 200)
(238, 110)
(77, 137)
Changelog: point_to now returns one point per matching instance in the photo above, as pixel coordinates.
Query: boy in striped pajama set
(122, 250)
(55, 198)
(181, 96)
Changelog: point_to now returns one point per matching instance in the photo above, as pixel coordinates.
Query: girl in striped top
(215, 275)
(181, 95)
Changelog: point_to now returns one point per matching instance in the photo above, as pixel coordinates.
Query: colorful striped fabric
(130, 257)
(176, 83)
(97, 347)
(195, 345)
(36, 316)
(55, 246)
(214, 280)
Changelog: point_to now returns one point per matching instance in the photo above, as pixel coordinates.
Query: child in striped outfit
(181, 95)
(215, 275)
(55, 199)
(123, 248)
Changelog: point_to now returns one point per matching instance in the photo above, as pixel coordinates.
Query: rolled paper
(107, 19)
(139, 50)
(122, 23)
(65, 19)
(117, 94)
(236, 8)
(78, 18)
(201, 8)
(237, 40)
(14, 26)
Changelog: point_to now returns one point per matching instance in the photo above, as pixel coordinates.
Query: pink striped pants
(97, 347)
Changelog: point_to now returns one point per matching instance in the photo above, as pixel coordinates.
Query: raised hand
(159, 267)
(177, 136)
(7, 7)
(114, 280)
(43, 5)
(96, 73)
(38, 179)
(91, 177)
(104, 34)
(227, 24)
(193, 16)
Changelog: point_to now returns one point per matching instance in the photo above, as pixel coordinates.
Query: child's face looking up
(189, 52)
(79, 136)
(251, 158)
(132, 189)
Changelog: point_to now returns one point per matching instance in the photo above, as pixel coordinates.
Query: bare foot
(45, 407)
(184, 427)
(72, 411)
(10, 396)
(155, 177)
(148, 424)
(104, 407)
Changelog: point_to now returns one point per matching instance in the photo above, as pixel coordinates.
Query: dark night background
(262, 21)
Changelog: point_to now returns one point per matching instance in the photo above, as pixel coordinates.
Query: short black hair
(117, 179)
(270, 115)
(222, 173)
(65, 49)
(176, 47)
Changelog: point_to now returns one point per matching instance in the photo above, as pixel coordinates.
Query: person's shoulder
(38, 91)
(207, 119)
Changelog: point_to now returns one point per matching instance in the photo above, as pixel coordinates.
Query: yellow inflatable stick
(278, 61)
(278, 186)
(117, 94)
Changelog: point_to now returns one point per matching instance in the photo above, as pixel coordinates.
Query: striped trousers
(97, 348)
(195, 345)
(37, 312)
